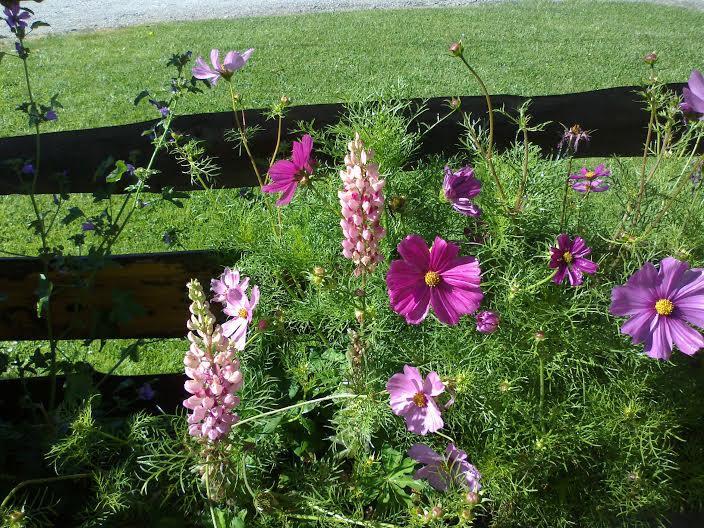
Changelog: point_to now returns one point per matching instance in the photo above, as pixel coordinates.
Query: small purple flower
(228, 289)
(441, 472)
(692, 104)
(15, 17)
(590, 180)
(88, 226)
(572, 137)
(459, 188)
(234, 60)
(487, 322)
(28, 169)
(414, 399)
(50, 115)
(569, 257)
(146, 392)
(660, 303)
(130, 169)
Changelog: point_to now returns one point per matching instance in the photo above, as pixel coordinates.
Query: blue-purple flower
(15, 17)
(459, 188)
(692, 104)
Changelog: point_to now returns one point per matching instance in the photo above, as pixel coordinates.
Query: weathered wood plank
(615, 113)
(151, 287)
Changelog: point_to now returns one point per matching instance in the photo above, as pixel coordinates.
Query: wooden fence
(153, 285)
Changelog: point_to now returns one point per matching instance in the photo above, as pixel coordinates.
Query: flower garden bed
(421, 321)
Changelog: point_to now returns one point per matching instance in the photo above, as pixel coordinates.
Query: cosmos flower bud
(456, 49)
(455, 103)
(436, 512)
(539, 335)
(650, 58)
(397, 204)
(285, 101)
(472, 498)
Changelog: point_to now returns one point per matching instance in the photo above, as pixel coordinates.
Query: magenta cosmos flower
(435, 276)
(459, 188)
(287, 174)
(569, 257)
(572, 137)
(692, 105)
(443, 471)
(487, 322)
(590, 180)
(234, 60)
(659, 304)
(414, 399)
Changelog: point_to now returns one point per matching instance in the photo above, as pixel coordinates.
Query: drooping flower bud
(457, 49)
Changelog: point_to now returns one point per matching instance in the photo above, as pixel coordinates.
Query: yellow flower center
(567, 257)
(242, 313)
(432, 278)
(590, 175)
(420, 399)
(664, 307)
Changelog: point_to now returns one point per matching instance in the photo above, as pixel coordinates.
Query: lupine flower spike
(661, 304)
(459, 188)
(435, 277)
(362, 200)
(286, 175)
(569, 257)
(414, 398)
(441, 472)
(587, 180)
(214, 372)
(234, 60)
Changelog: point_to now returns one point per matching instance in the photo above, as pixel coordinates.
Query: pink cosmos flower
(590, 180)
(572, 137)
(660, 303)
(443, 471)
(692, 105)
(437, 277)
(414, 399)
(362, 200)
(241, 313)
(287, 174)
(228, 288)
(487, 322)
(234, 60)
(459, 188)
(569, 257)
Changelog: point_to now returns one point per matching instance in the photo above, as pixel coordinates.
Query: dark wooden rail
(615, 114)
(144, 295)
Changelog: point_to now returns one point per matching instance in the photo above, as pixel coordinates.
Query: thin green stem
(210, 501)
(336, 517)
(563, 215)
(541, 371)
(33, 482)
(297, 405)
(490, 146)
(540, 282)
(646, 149)
(243, 136)
(524, 176)
(278, 142)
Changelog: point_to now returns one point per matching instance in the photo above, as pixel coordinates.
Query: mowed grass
(530, 48)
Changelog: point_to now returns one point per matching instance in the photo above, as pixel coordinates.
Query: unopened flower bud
(539, 335)
(262, 325)
(456, 49)
(436, 512)
(285, 101)
(466, 515)
(472, 498)
(16, 516)
(455, 103)
(359, 315)
(650, 58)
(397, 204)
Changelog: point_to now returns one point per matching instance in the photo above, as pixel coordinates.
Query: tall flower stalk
(458, 51)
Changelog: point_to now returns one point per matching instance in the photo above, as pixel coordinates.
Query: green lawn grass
(528, 48)
(531, 48)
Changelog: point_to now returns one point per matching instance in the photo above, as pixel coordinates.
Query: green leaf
(39, 24)
(140, 96)
(44, 293)
(73, 214)
(116, 174)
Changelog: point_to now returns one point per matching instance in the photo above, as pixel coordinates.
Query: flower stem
(278, 141)
(32, 482)
(540, 283)
(336, 517)
(563, 215)
(297, 405)
(243, 135)
(210, 502)
(490, 145)
(646, 148)
(541, 371)
(524, 176)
